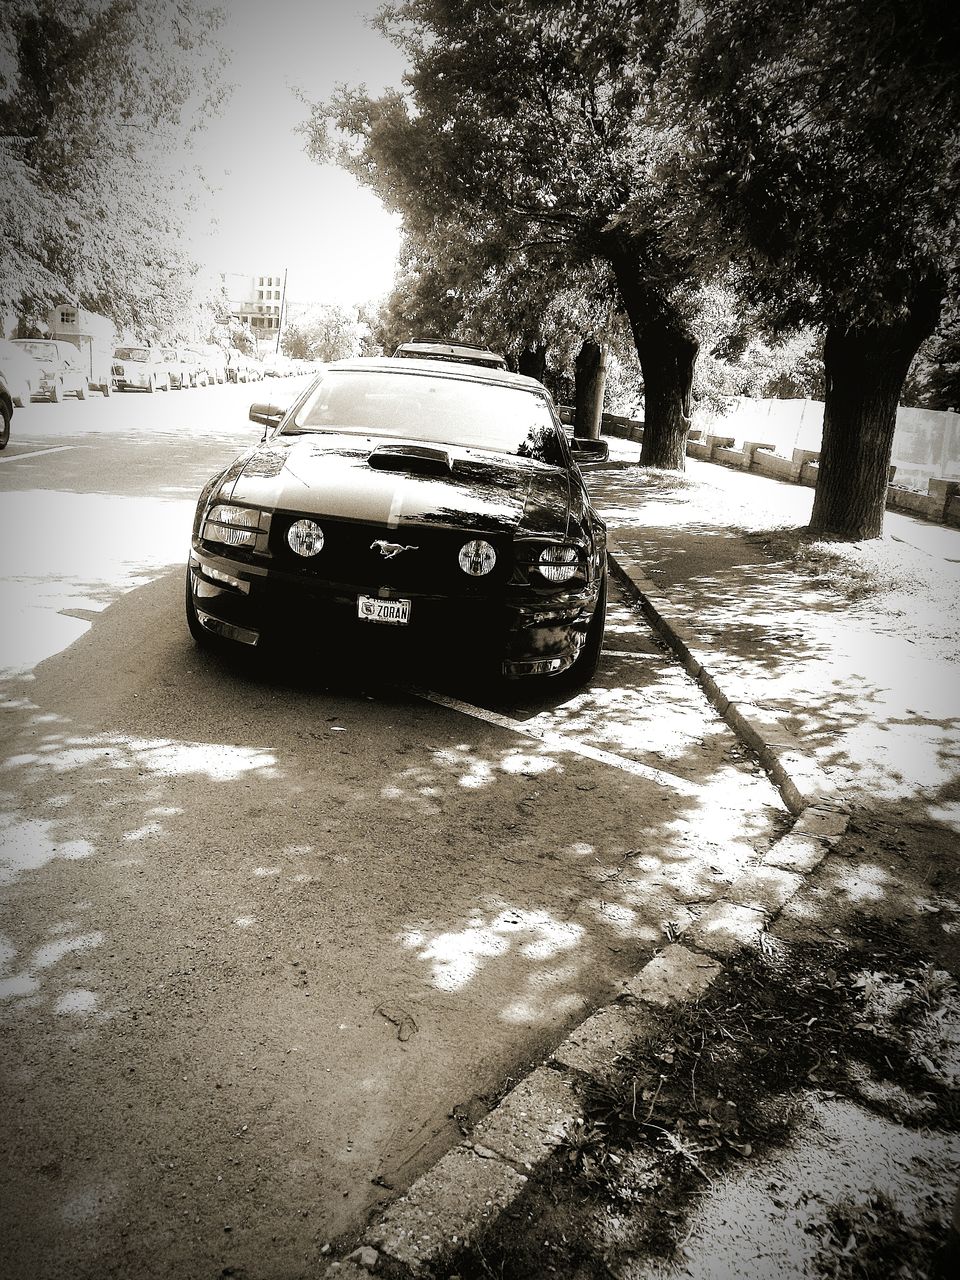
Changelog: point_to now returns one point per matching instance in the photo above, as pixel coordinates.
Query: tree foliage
(97, 99)
(824, 139)
(529, 133)
(324, 333)
(809, 153)
(823, 157)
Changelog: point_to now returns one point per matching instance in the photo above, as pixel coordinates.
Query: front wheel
(105, 388)
(6, 413)
(56, 393)
(81, 392)
(151, 385)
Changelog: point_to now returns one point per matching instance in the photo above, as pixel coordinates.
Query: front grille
(427, 565)
(116, 370)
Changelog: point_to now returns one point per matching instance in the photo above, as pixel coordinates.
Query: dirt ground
(803, 1120)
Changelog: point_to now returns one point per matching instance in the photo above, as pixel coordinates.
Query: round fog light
(305, 537)
(558, 564)
(477, 558)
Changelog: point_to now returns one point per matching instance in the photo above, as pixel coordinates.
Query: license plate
(373, 609)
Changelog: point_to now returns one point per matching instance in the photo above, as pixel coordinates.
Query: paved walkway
(854, 649)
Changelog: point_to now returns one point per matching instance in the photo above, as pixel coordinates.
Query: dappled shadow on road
(248, 907)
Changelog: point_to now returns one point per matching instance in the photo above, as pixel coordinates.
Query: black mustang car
(429, 509)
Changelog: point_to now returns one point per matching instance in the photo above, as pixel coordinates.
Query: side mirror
(267, 415)
(585, 450)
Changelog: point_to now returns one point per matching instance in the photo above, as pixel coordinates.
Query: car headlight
(233, 526)
(305, 537)
(477, 558)
(558, 564)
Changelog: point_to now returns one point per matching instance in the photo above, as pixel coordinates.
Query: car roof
(441, 369)
(424, 347)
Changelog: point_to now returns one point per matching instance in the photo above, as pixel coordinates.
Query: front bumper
(126, 379)
(43, 388)
(523, 633)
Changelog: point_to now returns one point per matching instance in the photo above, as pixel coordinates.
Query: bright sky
(273, 208)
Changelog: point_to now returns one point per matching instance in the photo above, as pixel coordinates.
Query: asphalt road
(271, 939)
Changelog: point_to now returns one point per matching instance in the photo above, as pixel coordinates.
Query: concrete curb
(470, 1187)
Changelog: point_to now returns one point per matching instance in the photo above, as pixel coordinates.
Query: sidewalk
(853, 649)
(776, 1094)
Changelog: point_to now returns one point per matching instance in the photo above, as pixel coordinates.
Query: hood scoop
(419, 459)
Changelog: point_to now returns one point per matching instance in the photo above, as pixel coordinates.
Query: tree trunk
(865, 370)
(590, 377)
(668, 351)
(668, 356)
(532, 362)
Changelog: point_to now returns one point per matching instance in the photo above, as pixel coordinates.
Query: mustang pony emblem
(390, 549)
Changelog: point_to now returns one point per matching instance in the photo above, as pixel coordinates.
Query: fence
(926, 443)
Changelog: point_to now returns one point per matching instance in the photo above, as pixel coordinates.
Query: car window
(132, 353)
(433, 410)
(41, 350)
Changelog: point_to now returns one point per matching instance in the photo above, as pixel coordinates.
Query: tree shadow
(230, 889)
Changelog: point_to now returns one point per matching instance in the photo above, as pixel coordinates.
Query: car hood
(396, 483)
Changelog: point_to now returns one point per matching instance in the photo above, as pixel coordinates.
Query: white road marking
(38, 453)
(634, 653)
(561, 743)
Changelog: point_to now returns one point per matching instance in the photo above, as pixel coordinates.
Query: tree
(531, 129)
(535, 318)
(934, 378)
(96, 103)
(824, 156)
(324, 333)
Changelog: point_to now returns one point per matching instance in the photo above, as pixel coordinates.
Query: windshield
(132, 353)
(42, 350)
(431, 409)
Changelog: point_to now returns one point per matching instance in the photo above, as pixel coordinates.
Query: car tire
(151, 385)
(56, 393)
(588, 659)
(6, 413)
(106, 389)
(81, 393)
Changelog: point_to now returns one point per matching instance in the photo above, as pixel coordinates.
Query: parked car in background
(235, 371)
(456, 352)
(242, 368)
(276, 365)
(139, 368)
(432, 511)
(211, 367)
(61, 371)
(21, 372)
(6, 411)
(181, 368)
(94, 337)
(215, 362)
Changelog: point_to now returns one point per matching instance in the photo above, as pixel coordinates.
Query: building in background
(258, 302)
